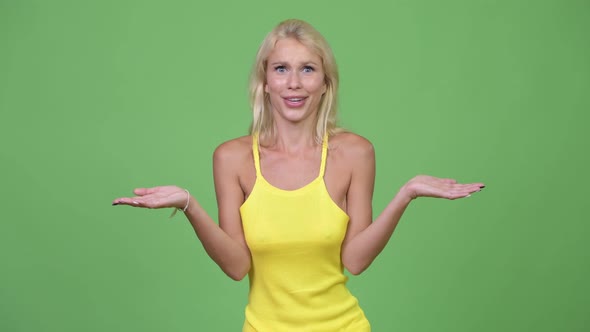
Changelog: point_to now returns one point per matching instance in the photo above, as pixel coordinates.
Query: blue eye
(280, 69)
(308, 69)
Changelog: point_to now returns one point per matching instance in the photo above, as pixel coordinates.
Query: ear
(266, 87)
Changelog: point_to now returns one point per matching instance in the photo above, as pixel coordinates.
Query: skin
(292, 162)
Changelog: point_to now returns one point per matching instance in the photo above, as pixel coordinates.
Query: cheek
(271, 85)
(320, 87)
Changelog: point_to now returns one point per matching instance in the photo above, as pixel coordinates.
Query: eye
(280, 69)
(308, 69)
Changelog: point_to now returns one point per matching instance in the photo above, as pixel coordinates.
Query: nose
(294, 81)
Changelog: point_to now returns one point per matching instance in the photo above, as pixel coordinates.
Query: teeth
(295, 99)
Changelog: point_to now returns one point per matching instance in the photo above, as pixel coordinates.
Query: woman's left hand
(430, 186)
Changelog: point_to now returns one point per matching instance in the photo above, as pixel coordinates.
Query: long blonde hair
(262, 120)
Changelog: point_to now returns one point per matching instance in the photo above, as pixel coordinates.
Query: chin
(296, 115)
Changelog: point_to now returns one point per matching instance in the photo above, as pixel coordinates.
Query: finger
(132, 201)
(476, 187)
(118, 201)
(459, 194)
(469, 186)
(460, 190)
(467, 191)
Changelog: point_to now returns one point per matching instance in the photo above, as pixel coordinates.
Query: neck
(294, 138)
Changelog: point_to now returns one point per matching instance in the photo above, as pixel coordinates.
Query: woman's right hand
(156, 198)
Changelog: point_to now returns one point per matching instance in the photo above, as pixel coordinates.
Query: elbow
(236, 266)
(356, 269)
(355, 266)
(237, 273)
(355, 272)
(236, 276)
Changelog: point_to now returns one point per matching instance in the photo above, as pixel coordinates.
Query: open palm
(430, 186)
(155, 198)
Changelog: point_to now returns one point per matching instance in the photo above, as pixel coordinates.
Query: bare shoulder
(351, 147)
(233, 165)
(233, 151)
(351, 169)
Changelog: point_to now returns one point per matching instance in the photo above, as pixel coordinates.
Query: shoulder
(351, 147)
(230, 158)
(234, 150)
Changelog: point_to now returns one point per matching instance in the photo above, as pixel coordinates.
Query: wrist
(183, 208)
(193, 203)
(406, 193)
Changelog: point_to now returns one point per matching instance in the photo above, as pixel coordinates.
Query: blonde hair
(303, 32)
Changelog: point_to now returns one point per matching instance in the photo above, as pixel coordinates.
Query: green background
(99, 97)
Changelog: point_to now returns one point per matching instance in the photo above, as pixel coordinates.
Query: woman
(294, 196)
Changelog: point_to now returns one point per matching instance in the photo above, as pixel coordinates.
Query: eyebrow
(285, 62)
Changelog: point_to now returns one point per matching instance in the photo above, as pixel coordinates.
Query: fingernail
(468, 196)
(482, 187)
(135, 202)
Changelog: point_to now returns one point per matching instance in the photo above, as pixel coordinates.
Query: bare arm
(225, 243)
(365, 240)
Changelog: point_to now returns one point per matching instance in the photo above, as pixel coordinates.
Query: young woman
(294, 196)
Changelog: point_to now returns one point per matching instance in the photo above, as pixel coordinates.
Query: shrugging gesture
(294, 197)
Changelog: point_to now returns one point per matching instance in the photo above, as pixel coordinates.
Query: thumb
(144, 191)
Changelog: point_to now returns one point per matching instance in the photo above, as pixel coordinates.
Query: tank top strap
(324, 155)
(256, 154)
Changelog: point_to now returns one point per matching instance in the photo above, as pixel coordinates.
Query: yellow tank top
(296, 279)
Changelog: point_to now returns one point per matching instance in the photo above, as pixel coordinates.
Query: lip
(294, 101)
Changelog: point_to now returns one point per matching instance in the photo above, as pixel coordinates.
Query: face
(294, 81)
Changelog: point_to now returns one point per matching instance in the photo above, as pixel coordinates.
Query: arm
(225, 243)
(365, 240)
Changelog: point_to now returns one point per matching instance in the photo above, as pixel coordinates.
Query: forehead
(292, 50)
